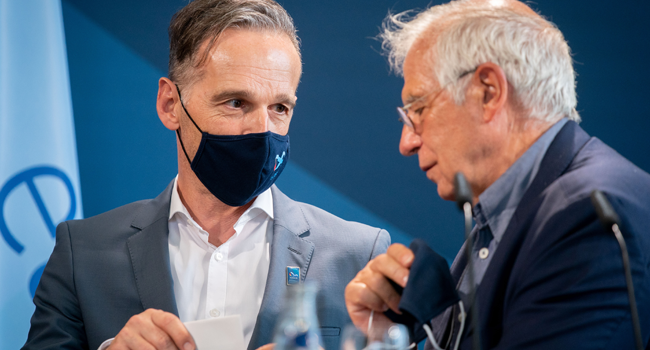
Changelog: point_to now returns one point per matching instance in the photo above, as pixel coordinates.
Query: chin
(446, 192)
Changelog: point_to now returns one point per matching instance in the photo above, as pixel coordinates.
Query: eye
(234, 103)
(280, 109)
(419, 111)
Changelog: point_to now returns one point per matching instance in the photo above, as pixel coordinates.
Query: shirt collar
(499, 201)
(263, 202)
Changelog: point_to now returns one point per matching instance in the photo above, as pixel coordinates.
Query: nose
(410, 142)
(257, 121)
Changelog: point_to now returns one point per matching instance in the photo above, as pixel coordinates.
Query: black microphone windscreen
(604, 209)
(462, 190)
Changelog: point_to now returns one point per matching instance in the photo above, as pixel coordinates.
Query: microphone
(463, 194)
(610, 220)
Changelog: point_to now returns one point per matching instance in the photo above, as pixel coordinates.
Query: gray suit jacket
(109, 267)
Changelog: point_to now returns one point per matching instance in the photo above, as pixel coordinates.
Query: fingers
(377, 292)
(152, 335)
(173, 327)
(401, 254)
(394, 264)
(360, 300)
(130, 338)
(360, 293)
(371, 290)
(360, 316)
(267, 347)
(153, 330)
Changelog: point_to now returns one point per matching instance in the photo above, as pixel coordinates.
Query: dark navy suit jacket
(557, 280)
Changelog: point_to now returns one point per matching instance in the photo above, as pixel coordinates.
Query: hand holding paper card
(223, 333)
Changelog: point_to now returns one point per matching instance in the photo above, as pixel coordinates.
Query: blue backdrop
(345, 132)
(39, 178)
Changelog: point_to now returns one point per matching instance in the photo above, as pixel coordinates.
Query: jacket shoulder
(123, 221)
(343, 237)
(599, 167)
(113, 217)
(315, 215)
(109, 225)
(334, 226)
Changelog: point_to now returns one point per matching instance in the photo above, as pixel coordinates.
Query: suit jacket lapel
(491, 291)
(288, 248)
(149, 252)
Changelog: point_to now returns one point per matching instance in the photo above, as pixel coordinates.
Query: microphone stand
(610, 220)
(463, 194)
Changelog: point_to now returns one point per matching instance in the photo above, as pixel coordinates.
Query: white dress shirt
(220, 281)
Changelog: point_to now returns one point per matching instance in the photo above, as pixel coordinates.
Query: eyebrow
(243, 94)
(411, 99)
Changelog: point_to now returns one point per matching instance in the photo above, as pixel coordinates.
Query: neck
(214, 216)
(510, 144)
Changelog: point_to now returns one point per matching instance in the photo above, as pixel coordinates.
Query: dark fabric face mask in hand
(237, 168)
(429, 291)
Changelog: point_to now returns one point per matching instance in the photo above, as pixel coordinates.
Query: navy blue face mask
(237, 168)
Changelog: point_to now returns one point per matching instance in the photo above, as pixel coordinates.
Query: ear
(166, 103)
(494, 89)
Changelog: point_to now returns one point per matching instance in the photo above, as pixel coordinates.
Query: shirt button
(215, 313)
(483, 253)
(218, 257)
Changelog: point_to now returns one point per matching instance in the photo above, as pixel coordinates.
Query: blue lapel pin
(293, 275)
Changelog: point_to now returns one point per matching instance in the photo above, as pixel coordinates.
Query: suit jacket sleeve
(57, 321)
(381, 244)
(569, 287)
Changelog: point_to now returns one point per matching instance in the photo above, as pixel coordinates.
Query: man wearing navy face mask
(221, 239)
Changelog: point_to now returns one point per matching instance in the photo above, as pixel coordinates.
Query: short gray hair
(203, 20)
(531, 51)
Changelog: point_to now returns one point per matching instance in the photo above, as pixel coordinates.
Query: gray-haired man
(221, 239)
(489, 91)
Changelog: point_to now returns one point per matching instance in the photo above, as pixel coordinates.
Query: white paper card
(221, 333)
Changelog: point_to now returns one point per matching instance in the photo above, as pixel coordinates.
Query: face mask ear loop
(372, 315)
(183, 146)
(431, 338)
(179, 128)
(182, 105)
(463, 316)
(462, 324)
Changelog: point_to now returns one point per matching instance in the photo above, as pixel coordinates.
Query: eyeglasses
(404, 111)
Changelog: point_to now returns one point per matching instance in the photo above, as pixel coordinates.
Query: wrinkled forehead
(245, 45)
(419, 64)
(250, 52)
(419, 77)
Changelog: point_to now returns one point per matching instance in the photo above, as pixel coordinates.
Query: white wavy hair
(531, 51)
